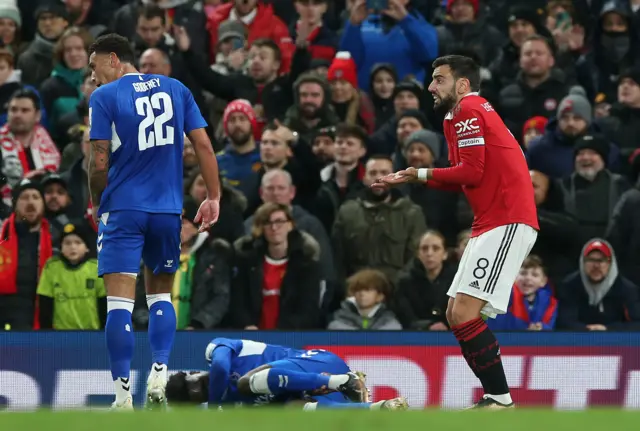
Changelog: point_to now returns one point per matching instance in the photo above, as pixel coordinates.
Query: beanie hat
(387, 67)
(8, 9)
(575, 104)
(243, 106)
(25, 184)
(538, 123)
(632, 74)
(343, 67)
(52, 178)
(418, 115)
(53, 7)
(474, 3)
(593, 142)
(410, 85)
(231, 29)
(426, 137)
(82, 231)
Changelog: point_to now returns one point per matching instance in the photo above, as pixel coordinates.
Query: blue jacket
(521, 313)
(409, 45)
(238, 170)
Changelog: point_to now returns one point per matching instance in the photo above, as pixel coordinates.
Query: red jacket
(265, 25)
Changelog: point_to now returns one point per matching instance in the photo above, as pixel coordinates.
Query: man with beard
(553, 153)
(240, 158)
(25, 246)
(378, 229)
(592, 191)
(488, 166)
(312, 109)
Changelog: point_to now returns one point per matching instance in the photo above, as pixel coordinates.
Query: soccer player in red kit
(488, 166)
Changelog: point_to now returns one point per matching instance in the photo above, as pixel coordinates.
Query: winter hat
(538, 123)
(243, 106)
(343, 67)
(8, 9)
(53, 7)
(593, 142)
(51, 179)
(425, 137)
(598, 245)
(387, 67)
(319, 62)
(577, 105)
(410, 85)
(474, 3)
(527, 14)
(80, 230)
(417, 114)
(632, 74)
(25, 184)
(231, 29)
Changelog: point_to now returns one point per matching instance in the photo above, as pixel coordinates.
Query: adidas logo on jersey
(474, 284)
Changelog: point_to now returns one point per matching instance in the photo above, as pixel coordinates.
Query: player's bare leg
(162, 327)
(480, 349)
(119, 333)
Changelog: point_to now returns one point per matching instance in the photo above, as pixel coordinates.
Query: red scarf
(9, 257)
(44, 152)
(89, 216)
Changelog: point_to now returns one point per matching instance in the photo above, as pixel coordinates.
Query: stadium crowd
(309, 101)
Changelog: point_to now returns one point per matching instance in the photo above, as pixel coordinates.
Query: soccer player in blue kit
(137, 125)
(253, 373)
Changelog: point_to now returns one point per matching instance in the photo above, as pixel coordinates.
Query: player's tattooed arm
(98, 169)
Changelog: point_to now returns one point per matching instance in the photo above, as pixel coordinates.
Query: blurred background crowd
(308, 101)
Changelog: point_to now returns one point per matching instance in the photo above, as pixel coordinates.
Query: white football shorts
(490, 264)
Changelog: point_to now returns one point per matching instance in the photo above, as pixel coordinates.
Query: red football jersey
(489, 165)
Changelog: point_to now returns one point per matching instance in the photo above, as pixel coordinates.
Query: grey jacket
(349, 318)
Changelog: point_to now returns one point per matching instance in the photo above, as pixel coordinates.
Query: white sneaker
(399, 403)
(156, 386)
(127, 405)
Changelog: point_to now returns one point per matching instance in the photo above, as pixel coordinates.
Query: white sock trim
(502, 398)
(119, 303)
(121, 392)
(258, 382)
(310, 407)
(158, 297)
(336, 381)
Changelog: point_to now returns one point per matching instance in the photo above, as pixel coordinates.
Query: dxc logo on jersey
(467, 126)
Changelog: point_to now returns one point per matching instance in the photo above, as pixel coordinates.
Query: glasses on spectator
(276, 223)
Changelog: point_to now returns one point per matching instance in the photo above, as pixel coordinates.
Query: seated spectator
(200, 293)
(533, 128)
(365, 308)
(92, 15)
(322, 42)
(71, 295)
(232, 52)
(11, 23)
(276, 282)
(79, 116)
(420, 299)
(323, 146)
(25, 247)
(350, 104)
(532, 305)
(597, 297)
(461, 244)
(10, 82)
(383, 82)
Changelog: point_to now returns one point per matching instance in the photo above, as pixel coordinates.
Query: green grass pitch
(261, 419)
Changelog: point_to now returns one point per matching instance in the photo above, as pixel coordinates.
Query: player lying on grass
(253, 373)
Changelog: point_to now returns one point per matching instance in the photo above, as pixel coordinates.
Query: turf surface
(279, 420)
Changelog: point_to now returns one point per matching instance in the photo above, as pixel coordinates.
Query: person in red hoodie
(260, 21)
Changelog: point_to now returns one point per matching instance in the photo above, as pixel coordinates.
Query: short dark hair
(540, 38)
(176, 390)
(270, 126)
(151, 11)
(115, 43)
(268, 43)
(27, 93)
(461, 67)
(345, 130)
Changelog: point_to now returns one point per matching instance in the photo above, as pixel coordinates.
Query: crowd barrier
(560, 370)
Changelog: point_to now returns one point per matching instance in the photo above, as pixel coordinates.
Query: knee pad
(259, 383)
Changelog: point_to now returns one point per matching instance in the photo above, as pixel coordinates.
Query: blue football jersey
(145, 117)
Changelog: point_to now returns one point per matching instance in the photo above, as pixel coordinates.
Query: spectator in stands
(461, 244)
(366, 307)
(597, 297)
(61, 92)
(378, 229)
(79, 116)
(399, 35)
(277, 187)
(553, 153)
(421, 287)
(71, 296)
(189, 158)
(10, 82)
(260, 22)
(276, 282)
(383, 82)
(322, 41)
(352, 105)
(201, 287)
(465, 30)
(409, 122)
(592, 191)
(533, 128)
(311, 110)
(11, 28)
(231, 53)
(78, 182)
(92, 15)
(421, 149)
(538, 88)
(25, 248)
(35, 62)
(22, 133)
(323, 145)
(532, 305)
(151, 32)
(341, 179)
(624, 232)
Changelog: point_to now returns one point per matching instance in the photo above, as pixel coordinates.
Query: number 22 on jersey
(153, 129)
